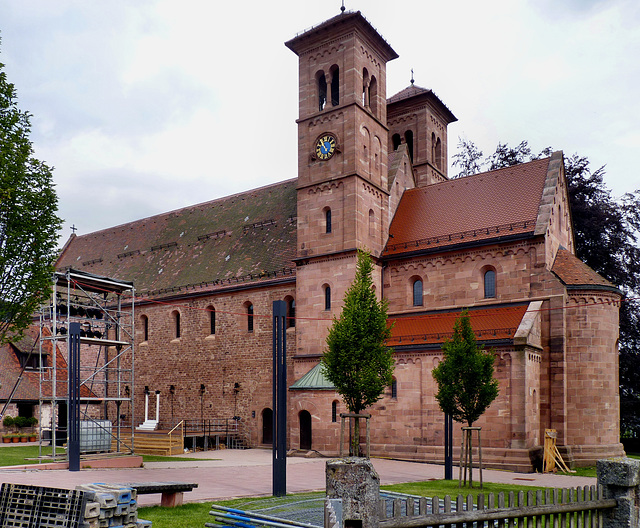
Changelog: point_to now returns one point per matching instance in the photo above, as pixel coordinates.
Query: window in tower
(322, 90)
(335, 85)
(372, 223)
(395, 139)
(365, 87)
(439, 153)
(433, 148)
(327, 220)
(327, 297)
(373, 96)
(408, 137)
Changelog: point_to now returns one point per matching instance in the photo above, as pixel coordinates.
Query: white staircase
(148, 425)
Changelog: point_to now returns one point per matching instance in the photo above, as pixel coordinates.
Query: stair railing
(180, 424)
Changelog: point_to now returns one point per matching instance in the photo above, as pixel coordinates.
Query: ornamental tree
(466, 386)
(28, 221)
(356, 360)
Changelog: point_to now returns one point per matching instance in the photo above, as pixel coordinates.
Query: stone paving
(231, 473)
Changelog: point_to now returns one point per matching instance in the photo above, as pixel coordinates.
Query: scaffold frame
(105, 309)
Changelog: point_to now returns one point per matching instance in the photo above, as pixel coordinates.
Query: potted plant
(6, 438)
(9, 422)
(23, 437)
(15, 438)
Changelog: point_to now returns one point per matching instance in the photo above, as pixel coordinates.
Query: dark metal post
(279, 398)
(448, 447)
(74, 397)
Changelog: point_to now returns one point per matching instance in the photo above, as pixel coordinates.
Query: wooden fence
(551, 508)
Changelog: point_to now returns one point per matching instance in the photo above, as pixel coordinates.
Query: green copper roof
(314, 379)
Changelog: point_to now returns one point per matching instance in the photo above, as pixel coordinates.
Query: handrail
(176, 426)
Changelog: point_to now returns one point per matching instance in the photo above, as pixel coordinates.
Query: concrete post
(355, 481)
(620, 480)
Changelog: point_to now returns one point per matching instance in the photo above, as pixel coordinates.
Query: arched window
(417, 292)
(212, 320)
(394, 389)
(408, 137)
(145, 328)
(439, 153)
(327, 220)
(372, 223)
(489, 284)
(176, 324)
(373, 96)
(365, 87)
(395, 139)
(433, 147)
(335, 85)
(334, 411)
(249, 317)
(291, 312)
(322, 90)
(327, 297)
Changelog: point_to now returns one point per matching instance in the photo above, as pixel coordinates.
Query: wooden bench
(172, 492)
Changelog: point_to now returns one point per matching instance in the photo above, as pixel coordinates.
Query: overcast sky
(147, 106)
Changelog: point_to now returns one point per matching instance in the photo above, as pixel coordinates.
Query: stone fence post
(353, 494)
(620, 480)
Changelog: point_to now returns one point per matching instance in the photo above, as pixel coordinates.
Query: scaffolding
(104, 308)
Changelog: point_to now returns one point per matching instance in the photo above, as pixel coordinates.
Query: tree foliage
(356, 360)
(28, 221)
(606, 238)
(466, 386)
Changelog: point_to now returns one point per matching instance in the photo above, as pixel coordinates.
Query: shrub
(8, 421)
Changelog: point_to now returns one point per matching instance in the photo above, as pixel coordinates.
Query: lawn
(28, 454)
(19, 455)
(197, 514)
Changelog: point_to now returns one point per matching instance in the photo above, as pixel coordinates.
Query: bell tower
(343, 195)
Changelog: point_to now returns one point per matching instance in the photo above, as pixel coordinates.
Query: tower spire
(412, 80)
(342, 8)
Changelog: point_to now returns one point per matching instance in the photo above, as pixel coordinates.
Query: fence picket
(580, 507)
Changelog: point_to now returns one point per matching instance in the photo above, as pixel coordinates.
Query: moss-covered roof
(244, 237)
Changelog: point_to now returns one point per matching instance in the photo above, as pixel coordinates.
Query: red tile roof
(480, 207)
(573, 272)
(489, 324)
(246, 237)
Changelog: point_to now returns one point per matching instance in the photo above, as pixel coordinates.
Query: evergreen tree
(356, 360)
(28, 222)
(466, 386)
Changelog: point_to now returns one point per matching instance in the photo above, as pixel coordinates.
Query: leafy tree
(356, 360)
(28, 221)
(466, 386)
(468, 158)
(606, 238)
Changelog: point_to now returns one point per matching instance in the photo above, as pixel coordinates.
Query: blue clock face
(325, 146)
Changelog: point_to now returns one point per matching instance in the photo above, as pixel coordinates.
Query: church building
(372, 174)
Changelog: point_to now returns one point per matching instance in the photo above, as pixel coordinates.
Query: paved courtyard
(233, 473)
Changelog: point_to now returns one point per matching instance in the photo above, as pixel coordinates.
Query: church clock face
(325, 146)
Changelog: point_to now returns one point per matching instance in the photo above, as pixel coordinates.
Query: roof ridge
(173, 211)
